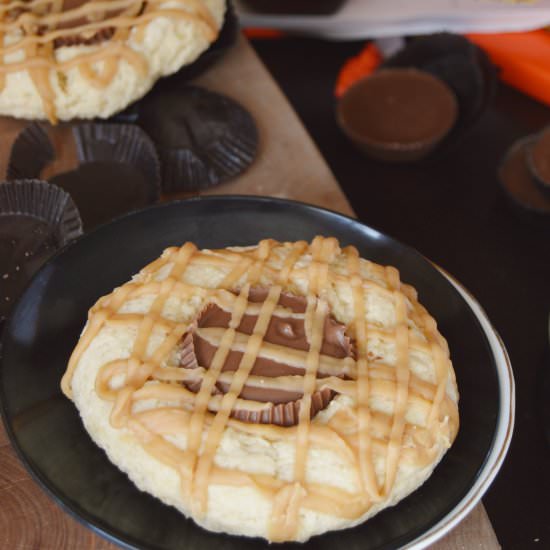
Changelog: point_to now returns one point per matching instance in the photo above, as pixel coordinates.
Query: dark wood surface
(452, 210)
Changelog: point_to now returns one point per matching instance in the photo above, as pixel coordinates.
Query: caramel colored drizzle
(285, 524)
(402, 375)
(40, 25)
(354, 434)
(366, 467)
(204, 396)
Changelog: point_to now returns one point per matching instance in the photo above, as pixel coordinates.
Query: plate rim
(504, 374)
(503, 433)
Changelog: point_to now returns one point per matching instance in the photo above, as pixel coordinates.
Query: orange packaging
(357, 67)
(523, 59)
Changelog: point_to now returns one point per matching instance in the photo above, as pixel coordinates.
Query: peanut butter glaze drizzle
(271, 381)
(354, 433)
(31, 32)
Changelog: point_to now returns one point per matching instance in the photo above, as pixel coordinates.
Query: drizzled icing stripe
(228, 402)
(210, 379)
(208, 382)
(353, 434)
(373, 333)
(138, 358)
(214, 435)
(290, 356)
(312, 361)
(250, 354)
(170, 392)
(443, 368)
(402, 376)
(96, 320)
(287, 502)
(366, 466)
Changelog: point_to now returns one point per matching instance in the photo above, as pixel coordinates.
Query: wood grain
(288, 166)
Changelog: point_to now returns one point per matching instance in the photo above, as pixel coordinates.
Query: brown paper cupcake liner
(21, 164)
(37, 199)
(523, 195)
(122, 143)
(281, 414)
(202, 137)
(36, 219)
(284, 414)
(108, 169)
(540, 180)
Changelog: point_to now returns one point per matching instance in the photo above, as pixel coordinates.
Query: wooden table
(288, 166)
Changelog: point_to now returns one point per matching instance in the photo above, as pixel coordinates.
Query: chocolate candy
(519, 184)
(462, 66)
(538, 160)
(399, 114)
(265, 385)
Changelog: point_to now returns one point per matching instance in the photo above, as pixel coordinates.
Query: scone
(65, 59)
(279, 390)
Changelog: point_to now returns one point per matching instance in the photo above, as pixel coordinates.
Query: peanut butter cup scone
(64, 59)
(280, 390)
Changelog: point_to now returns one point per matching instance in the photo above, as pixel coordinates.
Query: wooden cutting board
(289, 166)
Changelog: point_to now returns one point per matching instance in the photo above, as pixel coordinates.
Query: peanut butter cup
(274, 380)
(538, 159)
(459, 64)
(519, 183)
(397, 115)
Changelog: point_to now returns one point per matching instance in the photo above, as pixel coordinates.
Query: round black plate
(45, 427)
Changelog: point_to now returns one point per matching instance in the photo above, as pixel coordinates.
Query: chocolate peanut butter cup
(397, 114)
(538, 160)
(459, 65)
(519, 184)
(36, 219)
(274, 388)
(202, 138)
(462, 66)
(108, 169)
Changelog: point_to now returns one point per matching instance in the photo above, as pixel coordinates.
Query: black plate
(45, 427)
